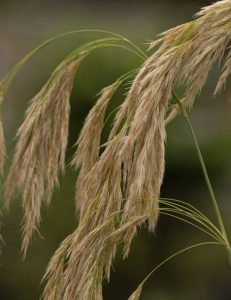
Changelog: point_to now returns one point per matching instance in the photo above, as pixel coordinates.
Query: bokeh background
(202, 274)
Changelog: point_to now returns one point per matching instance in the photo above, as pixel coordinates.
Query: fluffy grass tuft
(118, 187)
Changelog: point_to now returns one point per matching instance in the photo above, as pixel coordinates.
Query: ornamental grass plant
(119, 181)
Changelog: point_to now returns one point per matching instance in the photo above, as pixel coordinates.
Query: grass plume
(118, 188)
(132, 164)
(41, 147)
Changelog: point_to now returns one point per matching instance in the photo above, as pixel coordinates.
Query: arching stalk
(206, 176)
(136, 294)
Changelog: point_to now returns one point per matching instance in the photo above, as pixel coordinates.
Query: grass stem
(206, 176)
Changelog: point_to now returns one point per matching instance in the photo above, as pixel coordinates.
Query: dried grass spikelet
(127, 106)
(226, 71)
(200, 61)
(88, 143)
(104, 188)
(90, 262)
(41, 147)
(142, 152)
(207, 39)
(90, 252)
(136, 294)
(55, 269)
(127, 176)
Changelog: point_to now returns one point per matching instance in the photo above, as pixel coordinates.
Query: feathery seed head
(136, 294)
(88, 143)
(127, 176)
(41, 146)
(117, 190)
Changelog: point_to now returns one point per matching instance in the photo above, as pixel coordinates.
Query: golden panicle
(218, 7)
(85, 258)
(128, 105)
(142, 152)
(225, 73)
(128, 175)
(90, 253)
(174, 37)
(54, 272)
(201, 60)
(41, 147)
(103, 195)
(105, 174)
(88, 143)
(136, 294)
(205, 40)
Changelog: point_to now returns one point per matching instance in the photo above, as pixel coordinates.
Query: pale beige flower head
(119, 182)
(127, 176)
(41, 147)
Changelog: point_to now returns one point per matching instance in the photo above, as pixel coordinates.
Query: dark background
(202, 274)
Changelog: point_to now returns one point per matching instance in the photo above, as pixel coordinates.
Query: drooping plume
(88, 143)
(41, 147)
(127, 178)
(123, 183)
(226, 71)
(119, 183)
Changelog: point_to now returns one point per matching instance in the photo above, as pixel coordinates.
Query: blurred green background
(202, 274)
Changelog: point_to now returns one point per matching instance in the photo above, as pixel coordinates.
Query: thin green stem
(174, 255)
(170, 213)
(185, 207)
(11, 75)
(100, 31)
(205, 173)
(200, 221)
(184, 203)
